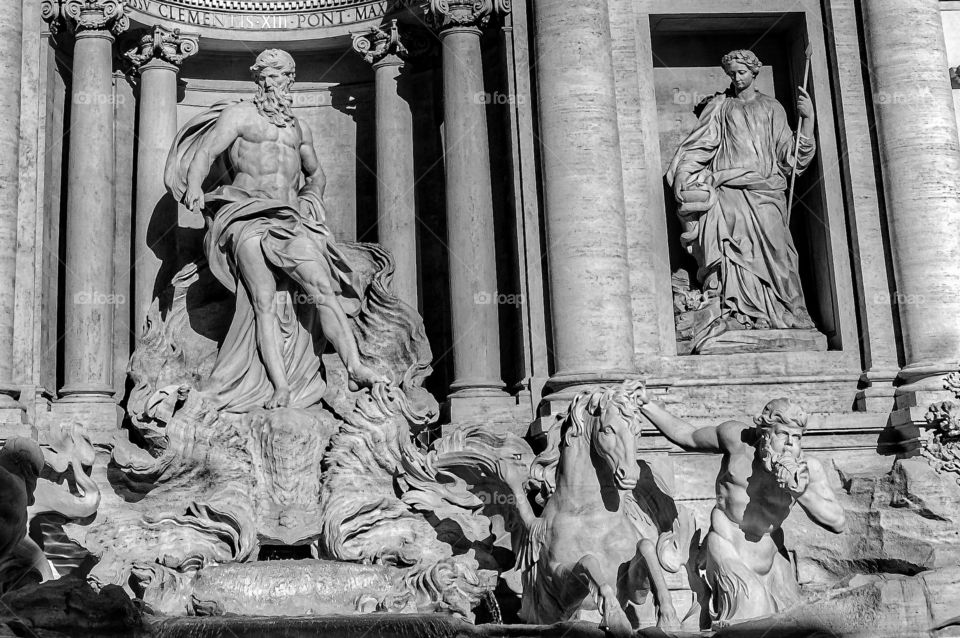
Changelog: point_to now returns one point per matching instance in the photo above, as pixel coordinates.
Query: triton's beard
(785, 466)
(275, 105)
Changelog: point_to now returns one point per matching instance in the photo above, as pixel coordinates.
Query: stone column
(473, 268)
(920, 155)
(89, 292)
(396, 204)
(157, 58)
(583, 194)
(11, 56)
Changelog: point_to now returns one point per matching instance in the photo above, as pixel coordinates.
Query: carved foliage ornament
(378, 43)
(85, 15)
(940, 441)
(163, 44)
(404, 42)
(445, 14)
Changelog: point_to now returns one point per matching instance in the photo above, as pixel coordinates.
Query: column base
(498, 413)
(13, 416)
(94, 409)
(879, 392)
(921, 384)
(562, 387)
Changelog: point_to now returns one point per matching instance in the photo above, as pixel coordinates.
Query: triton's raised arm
(819, 500)
(705, 439)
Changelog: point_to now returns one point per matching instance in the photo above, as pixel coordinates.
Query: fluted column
(920, 156)
(473, 271)
(157, 58)
(387, 51)
(11, 56)
(89, 292)
(583, 193)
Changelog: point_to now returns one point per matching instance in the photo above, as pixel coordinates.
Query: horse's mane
(626, 398)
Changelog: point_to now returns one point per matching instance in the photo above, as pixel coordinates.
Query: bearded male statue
(764, 473)
(251, 168)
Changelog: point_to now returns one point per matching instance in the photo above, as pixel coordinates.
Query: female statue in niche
(730, 178)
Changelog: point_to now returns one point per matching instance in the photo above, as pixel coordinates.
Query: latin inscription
(267, 22)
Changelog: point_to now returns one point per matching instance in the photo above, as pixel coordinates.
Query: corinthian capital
(163, 44)
(379, 42)
(85, 15)
(446, 14)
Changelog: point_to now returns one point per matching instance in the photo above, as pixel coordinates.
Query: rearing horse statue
(593, 548)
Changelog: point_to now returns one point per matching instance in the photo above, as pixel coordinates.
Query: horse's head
(609, 419)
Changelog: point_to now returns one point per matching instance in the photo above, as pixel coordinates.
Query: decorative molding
(448, 14)
(77, 16)
(163, 44)
(404, 42)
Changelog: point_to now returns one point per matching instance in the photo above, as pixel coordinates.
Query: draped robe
(239, 381)
(742, 151)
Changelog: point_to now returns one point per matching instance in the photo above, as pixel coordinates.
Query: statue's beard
(275, 104)
(785, 466)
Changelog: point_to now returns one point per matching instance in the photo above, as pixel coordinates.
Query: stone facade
(512, 159)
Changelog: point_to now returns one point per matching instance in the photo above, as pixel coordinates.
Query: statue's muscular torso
(750, 503)
(266, 157)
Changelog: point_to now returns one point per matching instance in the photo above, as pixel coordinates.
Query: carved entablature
(171, 46)
(402, 42)
(77, 16)
(447, 14)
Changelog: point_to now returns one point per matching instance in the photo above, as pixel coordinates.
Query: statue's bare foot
(362, 376)
(280, 399)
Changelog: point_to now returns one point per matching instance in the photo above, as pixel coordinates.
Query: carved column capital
(448, 14)
(163, 44)
(78, 16)
(380, 43)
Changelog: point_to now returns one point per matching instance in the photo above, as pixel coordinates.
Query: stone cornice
(447, 14)
(171, 46)
(78, 16)
(400, 41)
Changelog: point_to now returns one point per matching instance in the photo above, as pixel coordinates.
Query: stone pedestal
(157, 59)
(920, 153)
(473, 272)
(583, 196)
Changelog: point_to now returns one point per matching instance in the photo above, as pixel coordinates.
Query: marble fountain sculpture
(261, 476)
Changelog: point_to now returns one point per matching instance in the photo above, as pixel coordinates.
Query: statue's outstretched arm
(819, 500)
(705, 439)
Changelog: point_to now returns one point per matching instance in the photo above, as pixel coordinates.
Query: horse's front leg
(589, 570)
(647, 563)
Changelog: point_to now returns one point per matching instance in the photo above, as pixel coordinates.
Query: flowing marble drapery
(239, 381)
(740, 158)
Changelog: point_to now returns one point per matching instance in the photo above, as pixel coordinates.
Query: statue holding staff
(730, 178)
